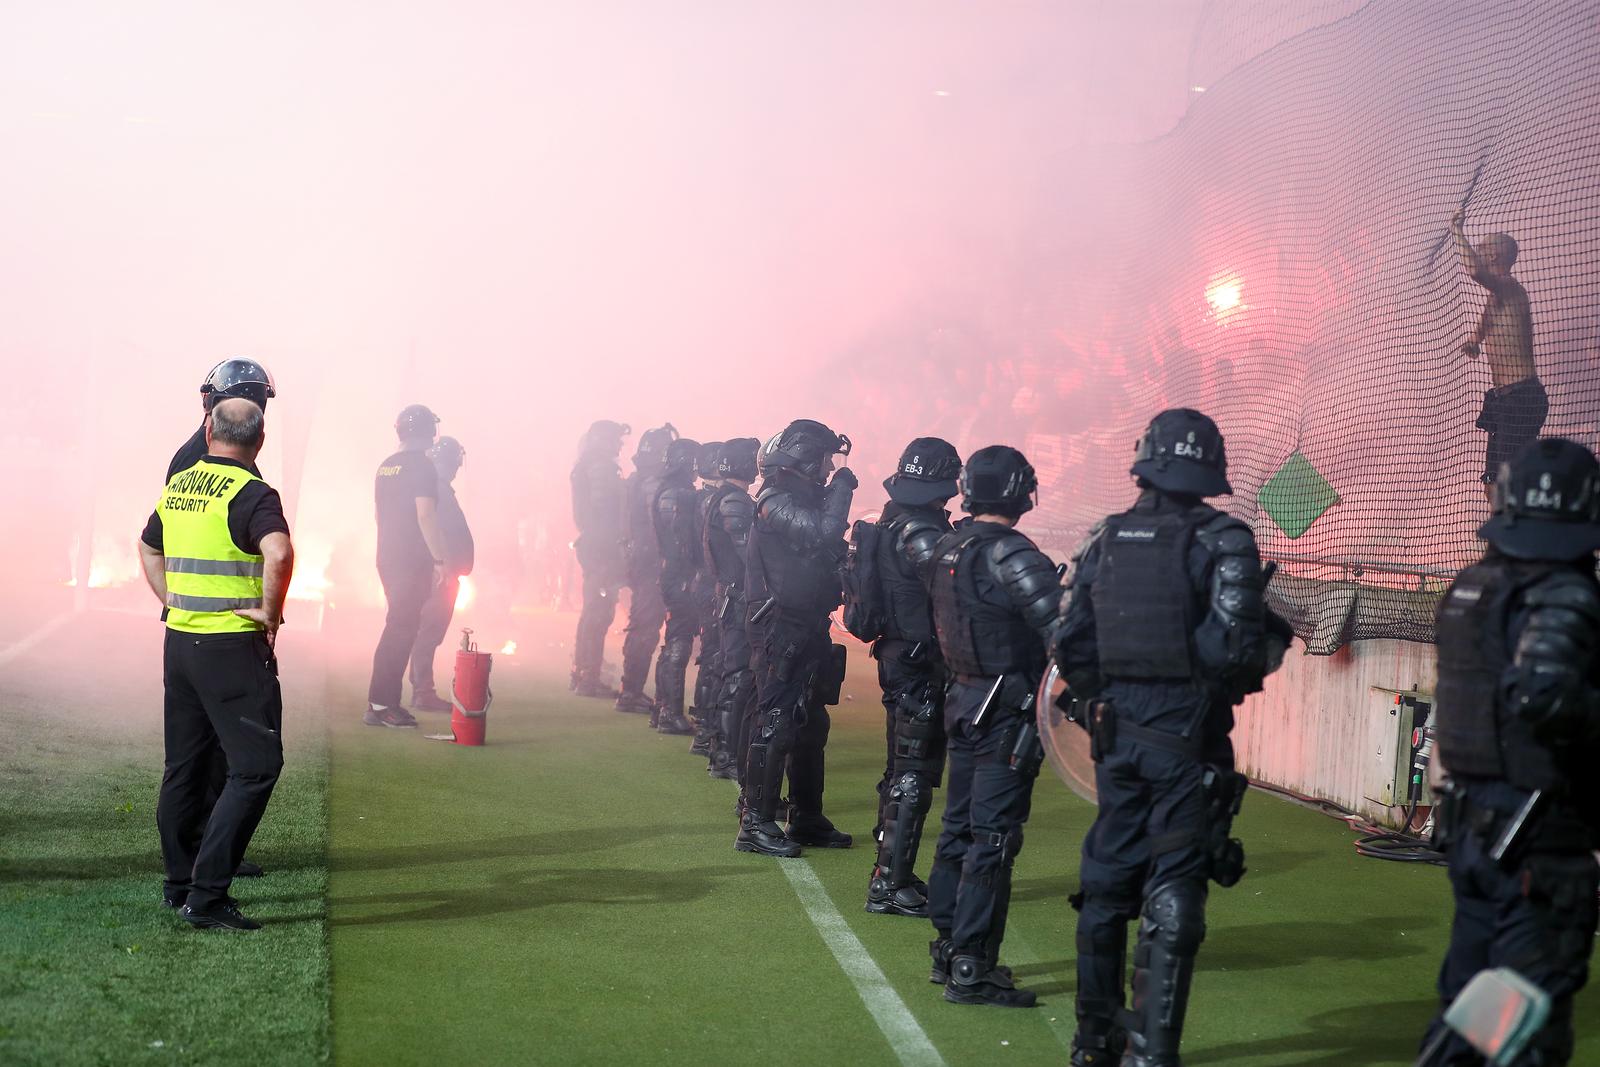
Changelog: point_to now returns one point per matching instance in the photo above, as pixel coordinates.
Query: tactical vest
(207, 574)
(1144, 605)
(1478, 737)
(980, 633)
(711, 529)
(805, 583)
(908, 611)
(675, 510)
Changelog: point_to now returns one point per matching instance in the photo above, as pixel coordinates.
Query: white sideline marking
(910, 1044)
(11, 652)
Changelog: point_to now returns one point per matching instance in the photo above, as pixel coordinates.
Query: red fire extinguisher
(470, 693)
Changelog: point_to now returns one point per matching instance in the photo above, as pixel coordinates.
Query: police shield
(1065, 740)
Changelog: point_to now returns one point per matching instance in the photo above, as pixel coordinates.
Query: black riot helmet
(238, 377)
(1182, 452)
(803, 447)
(1547, 503)
(680, 457)
(1000, 480)
(447, 454)
(927, 473)
(416, 423)
(604, 436)
(705, 461)
(651, 450)
(738, 459)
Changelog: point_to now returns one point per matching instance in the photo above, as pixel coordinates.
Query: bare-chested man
(1514, 410)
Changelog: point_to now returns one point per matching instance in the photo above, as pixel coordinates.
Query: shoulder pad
(1225, 535)
(1009, 544)
(919, 540)
(1566, 589)
(736, 506)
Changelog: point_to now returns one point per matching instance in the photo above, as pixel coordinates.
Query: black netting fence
(1282, 261)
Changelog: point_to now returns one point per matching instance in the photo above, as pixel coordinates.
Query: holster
(830, 681)
(1027, 753)
(1102, 725)
(1224, 791)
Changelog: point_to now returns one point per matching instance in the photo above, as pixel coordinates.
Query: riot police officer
(677, 522)
(1518, 734)
(646, 612)
(792, 560)
(705, 592)
(1166, 629)
(910, 669)
(232, 377)
(995, 602)
(730, 512)
(599, 511)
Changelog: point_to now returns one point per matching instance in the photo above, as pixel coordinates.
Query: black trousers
(1150, 830)
(437, 611)
(986, 805)
(1537, 917)
(603, 574)
(221, 690)
(407, 591)
(646, 612)
(789, 656)
(677, 646)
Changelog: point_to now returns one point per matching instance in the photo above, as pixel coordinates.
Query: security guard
(1167, 628)
(230, 378)
(676, 512)
(729, 515)
(646, 612)
(447, 456)
(411, 554)
(910, 669)
(707, 671)
(217, 553)
(995, 602)
(1518, 734)
(599, 511)
(791, 574)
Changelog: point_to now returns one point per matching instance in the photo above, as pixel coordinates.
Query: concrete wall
(1328, 726)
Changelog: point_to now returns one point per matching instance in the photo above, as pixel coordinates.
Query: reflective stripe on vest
(208, 576)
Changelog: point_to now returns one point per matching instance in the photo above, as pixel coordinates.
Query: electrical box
(1405, 746)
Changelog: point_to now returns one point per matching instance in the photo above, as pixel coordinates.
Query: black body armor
(980, 629)
(677, 529)
(1478, 735)
(1145, 606)
(729, 515)
(906, 552)
(796, 544)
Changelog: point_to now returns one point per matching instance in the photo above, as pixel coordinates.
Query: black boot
(635, 702)
(671, 721)
(1098, 1046)
(972, 981)
(816, 831)
(764, 837)
(884, 899)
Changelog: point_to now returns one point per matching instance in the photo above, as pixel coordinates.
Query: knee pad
(1176, 913)
(1011, 846)
(911, 791)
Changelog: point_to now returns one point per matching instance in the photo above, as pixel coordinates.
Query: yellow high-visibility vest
(207, 575)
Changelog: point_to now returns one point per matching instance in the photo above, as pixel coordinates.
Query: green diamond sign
(1296, 496)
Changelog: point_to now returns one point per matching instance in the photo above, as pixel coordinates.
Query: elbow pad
(836, 509)
(1548, 682)
(1232, 636)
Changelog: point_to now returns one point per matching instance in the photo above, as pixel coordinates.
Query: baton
(983, 709)
(1508, 836)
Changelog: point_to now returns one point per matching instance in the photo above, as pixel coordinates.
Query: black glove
(847, 477)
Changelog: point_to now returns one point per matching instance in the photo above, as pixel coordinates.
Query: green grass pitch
(569, 894)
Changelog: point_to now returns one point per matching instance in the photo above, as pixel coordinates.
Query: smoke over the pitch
(525, 216)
